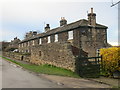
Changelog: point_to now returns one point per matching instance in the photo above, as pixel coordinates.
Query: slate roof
(67, 27)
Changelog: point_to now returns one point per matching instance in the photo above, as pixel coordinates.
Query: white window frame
(22, 44)
(40, 41)
(56, 37)
(33, 42)
(70, 35)
(28, 51)
(49, 39)
(19, 45)
(25, 44)
(28, 43)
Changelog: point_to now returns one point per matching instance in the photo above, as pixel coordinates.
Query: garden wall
(17, 56)
(57, 54)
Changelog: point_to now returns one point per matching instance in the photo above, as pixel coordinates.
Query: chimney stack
(92, 10)
(15, 38)
(63, 21)
(47, 28)
(34, 33)
(92, 18)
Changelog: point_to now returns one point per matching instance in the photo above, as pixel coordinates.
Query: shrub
(111, 57)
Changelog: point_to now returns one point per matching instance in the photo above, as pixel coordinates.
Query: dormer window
(48, 39)
(56, 37)
(70, 35)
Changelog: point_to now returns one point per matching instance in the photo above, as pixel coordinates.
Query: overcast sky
(20, 16)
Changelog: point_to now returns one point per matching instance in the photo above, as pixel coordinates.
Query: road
(0, 73)
(16, 77)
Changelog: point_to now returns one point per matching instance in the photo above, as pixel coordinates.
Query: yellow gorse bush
(111, 58)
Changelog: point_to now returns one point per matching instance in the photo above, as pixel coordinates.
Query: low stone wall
(17, 56)
(57, 54)
(26, 58)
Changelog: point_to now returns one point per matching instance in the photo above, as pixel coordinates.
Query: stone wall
(57, 54)
(89, 40)
(63, 53)
(17, 56)
(85, 38)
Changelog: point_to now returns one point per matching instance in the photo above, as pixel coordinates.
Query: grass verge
(46, 69)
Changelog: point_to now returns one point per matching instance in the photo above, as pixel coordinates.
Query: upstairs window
(70, 35)
(40, 42)
(33, 42)
(56, 37)
(22, 44)
(48, 39)
(28, 43)
(19, 45)
(25, 44)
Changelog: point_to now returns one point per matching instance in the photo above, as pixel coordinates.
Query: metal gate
(88, 66)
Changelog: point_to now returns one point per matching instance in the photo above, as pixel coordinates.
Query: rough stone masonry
(62, 45)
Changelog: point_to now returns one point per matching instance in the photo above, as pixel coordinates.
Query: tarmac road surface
(0, 73)
(16, 77)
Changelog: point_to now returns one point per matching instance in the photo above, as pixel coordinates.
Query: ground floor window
(40, 53)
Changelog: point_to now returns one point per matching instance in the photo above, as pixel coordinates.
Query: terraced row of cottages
(60, 46)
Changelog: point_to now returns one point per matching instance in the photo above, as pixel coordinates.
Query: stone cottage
(13, 45)
(60, 46)
(3, 45)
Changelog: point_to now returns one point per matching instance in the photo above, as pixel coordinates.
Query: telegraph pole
(113, 4)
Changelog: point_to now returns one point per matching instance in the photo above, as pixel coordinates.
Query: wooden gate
(88, 66)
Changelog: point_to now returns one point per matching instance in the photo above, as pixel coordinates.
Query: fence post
(102, 64)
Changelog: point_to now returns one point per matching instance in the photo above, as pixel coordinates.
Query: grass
(116, 87)
(46, 69)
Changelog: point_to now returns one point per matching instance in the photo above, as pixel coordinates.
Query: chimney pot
(47, 25)
(91, 10)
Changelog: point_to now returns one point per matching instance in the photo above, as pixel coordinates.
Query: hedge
(111, 59)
